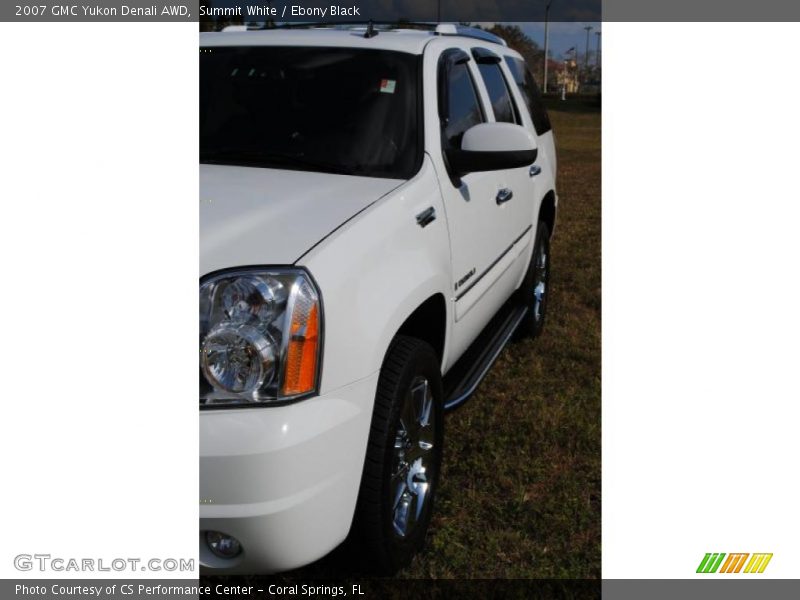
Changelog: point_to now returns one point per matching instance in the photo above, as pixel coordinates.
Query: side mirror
(492, 147)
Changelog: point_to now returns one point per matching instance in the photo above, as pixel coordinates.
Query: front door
(487, 212)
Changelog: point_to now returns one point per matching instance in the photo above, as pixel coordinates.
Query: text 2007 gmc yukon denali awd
(376, 210)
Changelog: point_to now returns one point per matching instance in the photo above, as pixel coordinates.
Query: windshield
(333, 110)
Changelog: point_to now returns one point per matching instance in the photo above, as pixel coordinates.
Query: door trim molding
(465, 291)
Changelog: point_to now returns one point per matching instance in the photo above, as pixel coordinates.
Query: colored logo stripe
(758, 563)
(710, 562)
(734, 563)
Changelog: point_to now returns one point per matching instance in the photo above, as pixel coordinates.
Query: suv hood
(255, 216)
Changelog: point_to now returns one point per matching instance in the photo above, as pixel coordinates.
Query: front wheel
(536, 285)
(404, 456)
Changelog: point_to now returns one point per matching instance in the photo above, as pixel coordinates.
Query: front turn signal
(302, 353)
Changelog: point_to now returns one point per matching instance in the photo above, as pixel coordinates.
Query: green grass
(520, 488)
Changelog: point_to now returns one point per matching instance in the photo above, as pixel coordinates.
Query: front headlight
(260, 337)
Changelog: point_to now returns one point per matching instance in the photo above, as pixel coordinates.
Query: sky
(563, 36)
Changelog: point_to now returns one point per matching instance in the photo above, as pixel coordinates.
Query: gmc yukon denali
(375, 218)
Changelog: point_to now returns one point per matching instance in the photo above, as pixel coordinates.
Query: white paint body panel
(489, 137)
(252, 216)
(375, 271)
(412, 42)
(284, 480)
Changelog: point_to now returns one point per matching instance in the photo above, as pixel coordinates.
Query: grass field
(520, 490)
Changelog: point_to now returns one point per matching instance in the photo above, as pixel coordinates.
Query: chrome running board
(466, 375)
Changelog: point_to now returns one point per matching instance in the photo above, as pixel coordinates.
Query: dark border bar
(293, 11)
(284, 588)
(289, 11)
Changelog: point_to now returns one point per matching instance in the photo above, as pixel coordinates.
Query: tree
(519, 41)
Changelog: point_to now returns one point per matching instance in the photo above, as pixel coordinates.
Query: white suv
(376, 210)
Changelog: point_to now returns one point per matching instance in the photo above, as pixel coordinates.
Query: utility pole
(588, 28)
(546, 42)
(597, 52)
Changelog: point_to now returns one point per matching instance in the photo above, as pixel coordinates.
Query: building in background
(566, 74)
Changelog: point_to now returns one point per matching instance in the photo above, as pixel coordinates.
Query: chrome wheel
(540, 277)
(398, 487)
(413, 457)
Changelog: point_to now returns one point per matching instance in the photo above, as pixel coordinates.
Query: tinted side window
(530, 91)
(463, 109)
(498, 92)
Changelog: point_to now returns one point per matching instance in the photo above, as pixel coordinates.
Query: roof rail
(473, 32)
(373, 27)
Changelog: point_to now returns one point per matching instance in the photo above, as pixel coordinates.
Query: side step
(465, 376)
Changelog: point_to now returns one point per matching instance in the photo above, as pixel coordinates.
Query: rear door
(534, 115)
(522, 184)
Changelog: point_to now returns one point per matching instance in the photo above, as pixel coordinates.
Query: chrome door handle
(504, 196)
(534, 170)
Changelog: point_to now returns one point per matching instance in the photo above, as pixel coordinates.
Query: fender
(377, 270)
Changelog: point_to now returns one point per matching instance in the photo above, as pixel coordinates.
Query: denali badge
(464, 279)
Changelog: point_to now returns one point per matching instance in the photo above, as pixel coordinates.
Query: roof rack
(375, 27)
(472, 32)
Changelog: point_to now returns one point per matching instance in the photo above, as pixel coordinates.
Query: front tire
(536, 285)
(404, 456)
